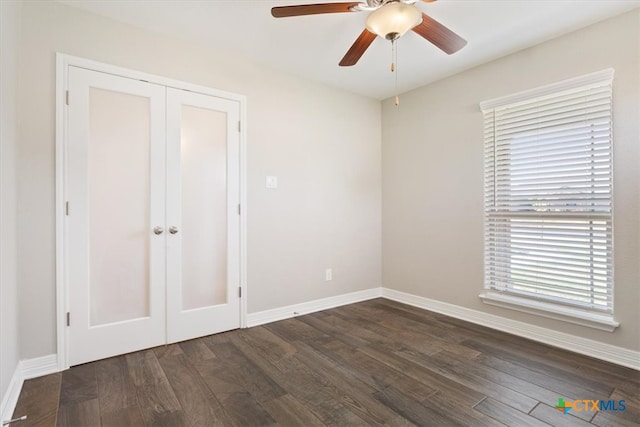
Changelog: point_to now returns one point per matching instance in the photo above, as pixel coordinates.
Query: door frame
(63, 62)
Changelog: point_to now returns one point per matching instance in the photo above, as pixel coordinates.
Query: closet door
(115, 187)
(203, 196)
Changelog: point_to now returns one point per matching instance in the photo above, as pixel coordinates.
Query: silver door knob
(158, 230)
(173, 229)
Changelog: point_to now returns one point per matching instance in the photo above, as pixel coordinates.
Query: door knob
(158, 230)
(173, 229)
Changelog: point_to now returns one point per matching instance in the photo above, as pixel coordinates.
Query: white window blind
(548, 193)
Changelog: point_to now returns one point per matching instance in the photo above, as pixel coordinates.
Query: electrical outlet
(328, 274)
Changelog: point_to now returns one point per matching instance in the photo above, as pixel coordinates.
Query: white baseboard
(11, 396)
(602, 351)
(268, 316)
(26, 369)
(39, 366)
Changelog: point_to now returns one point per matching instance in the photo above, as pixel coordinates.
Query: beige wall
(9, 29)
(322, 143)
(433, 173)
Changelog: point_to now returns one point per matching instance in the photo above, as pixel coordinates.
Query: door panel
(202, 201)
(118, 238)
(203, 154)
(115, 187)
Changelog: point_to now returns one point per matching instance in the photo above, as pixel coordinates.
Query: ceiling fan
(389, 19)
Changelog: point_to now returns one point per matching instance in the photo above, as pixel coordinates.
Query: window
(548, 200)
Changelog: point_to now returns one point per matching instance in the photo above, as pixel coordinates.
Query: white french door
(115, 188)
(152, 230)
(203, 163)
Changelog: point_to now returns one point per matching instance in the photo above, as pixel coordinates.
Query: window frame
(544, 306)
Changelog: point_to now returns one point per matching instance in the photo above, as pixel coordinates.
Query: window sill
(604, 322)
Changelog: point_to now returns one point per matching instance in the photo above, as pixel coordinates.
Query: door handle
(173, 229)
(158, 230)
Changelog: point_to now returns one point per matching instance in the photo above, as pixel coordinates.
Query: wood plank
(196, 399)
(130, 416)
(357, 395)
(631, 414)
(458, 411)
(605, 419)
(441, 363)
(116, 390)
(371, 371)
(298, 380)
(333, 327)
(168, 350)
(419, 322)
(288, 411)
(156, 399)
(391, 338)
(415, 338)
(159, 405)
(412, 410)
(272, 346)
(629, 385)
(418, 314)
(243, 370)
(144, 368)
(549, 415)
(218, 378)
(39, 399)
(604, 374)
(376, 334)
(48, 421)
(316, 391)
(245, 410)
(533, 384)
(537, 363)
(196, 350)
(78, 384)
(562, 388)
(85, 413)
(295, 330)
(589, 364)
(506, 414)
(507, 380)
(385, 325)
(170, 419)
(464, 395)
(220, 338)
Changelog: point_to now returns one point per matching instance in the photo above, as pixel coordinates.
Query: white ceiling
(312, 46)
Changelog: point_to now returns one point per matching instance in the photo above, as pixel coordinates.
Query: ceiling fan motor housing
(370, 5)
(393, 19)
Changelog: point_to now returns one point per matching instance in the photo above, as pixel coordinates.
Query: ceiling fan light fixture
(393, 20)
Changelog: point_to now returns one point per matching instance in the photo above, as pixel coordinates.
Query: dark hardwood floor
(375, 362)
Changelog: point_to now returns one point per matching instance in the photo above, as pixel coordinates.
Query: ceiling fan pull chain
(393, 56)
(394, 61)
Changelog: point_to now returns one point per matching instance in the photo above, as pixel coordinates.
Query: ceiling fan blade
(358, 48)
(311, 9)
(439, 35)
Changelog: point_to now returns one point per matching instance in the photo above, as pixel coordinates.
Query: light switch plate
(272, 182)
